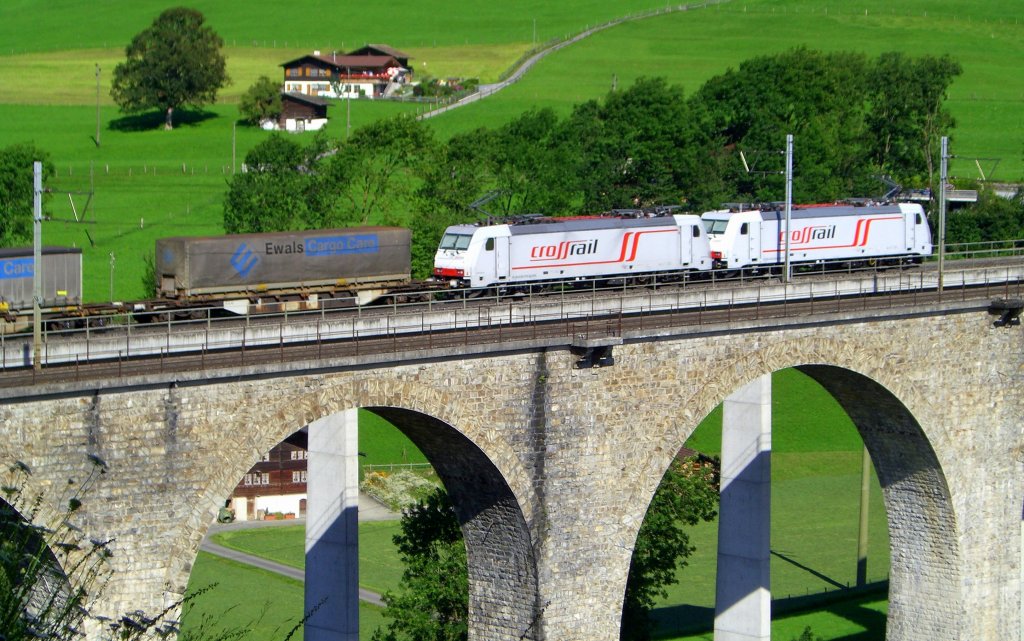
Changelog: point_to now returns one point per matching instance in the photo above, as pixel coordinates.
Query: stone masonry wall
(567, 461)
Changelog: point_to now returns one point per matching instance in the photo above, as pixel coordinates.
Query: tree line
(855, 120)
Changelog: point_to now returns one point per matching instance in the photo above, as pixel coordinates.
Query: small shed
(300, 112)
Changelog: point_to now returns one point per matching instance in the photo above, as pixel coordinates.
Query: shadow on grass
(155, 120)
(857, 613)
(850, 604)
(808, 569)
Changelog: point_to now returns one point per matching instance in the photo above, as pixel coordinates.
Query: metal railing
(463, 322)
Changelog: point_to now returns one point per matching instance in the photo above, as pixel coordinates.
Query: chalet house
(277, 484)
(299, 112)
(369, 72)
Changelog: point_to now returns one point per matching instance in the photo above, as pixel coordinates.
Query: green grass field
(150, 183)
(262, 605)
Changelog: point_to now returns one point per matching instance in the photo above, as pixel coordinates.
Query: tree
(16, 191)
(639, 147)
(433, 596)
(453, 177)
(818, 97)
(532, 161)
(278, 189)
(380, 164)
(261, 102)
(907, 117)
(688, 494)
(176, 61)
(992, 218)
(433, 600)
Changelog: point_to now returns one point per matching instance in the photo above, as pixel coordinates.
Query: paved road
(488, 89)
(369, 510)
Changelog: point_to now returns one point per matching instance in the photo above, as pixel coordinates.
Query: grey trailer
(300, 265)
(61, 276)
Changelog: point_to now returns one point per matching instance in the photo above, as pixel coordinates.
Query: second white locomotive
(891, 233)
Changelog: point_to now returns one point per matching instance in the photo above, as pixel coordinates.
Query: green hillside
(148, 183)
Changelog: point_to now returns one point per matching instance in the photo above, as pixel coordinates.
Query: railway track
(317, 349)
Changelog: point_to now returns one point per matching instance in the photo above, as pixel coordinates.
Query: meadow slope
(148, 183)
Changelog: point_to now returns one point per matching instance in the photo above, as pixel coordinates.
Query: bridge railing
(464, 322)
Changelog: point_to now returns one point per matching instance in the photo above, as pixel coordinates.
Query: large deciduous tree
(380, 162)
(639, 147)
(16, 191)
(818, 97)
(329, 183)
(908, 117)
(278, 189)
(176, 61)
(687, 495)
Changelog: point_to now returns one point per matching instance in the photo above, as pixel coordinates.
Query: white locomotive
(888, 234)
(547, 249)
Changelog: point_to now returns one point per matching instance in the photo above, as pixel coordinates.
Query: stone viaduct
(551, 468)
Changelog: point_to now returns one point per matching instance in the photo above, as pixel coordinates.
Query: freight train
(285, 271)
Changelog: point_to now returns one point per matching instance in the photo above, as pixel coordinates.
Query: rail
(364, 334)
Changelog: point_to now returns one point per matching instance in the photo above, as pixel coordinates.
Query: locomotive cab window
(455, 241)
(490, 245)
(743, 229)
(696, 231)
(917, 219)
(716, 226)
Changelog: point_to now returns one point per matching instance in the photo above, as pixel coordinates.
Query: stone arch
(925, 587)
(503, 592)
(485, 486)
(924, 547)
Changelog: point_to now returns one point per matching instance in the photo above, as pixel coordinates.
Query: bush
(397, 490)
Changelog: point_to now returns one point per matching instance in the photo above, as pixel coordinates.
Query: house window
(299, 455)
(299, 476)
(257, 478)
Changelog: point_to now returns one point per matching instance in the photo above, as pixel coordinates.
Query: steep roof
(309, 100)
(352, 62)
(387, 50)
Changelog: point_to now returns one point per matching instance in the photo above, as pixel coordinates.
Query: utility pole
(112, 275)
(97, 105)
(942, 208)
(789, 200)
(37, 265)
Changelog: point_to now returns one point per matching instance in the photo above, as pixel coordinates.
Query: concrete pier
(743, 593)
(332, 535)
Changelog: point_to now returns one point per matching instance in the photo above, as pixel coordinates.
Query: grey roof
(310, 100)
(829, 212)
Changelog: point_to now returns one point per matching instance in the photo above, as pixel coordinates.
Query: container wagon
(550, 249)
(891, 233)
(61, 276)
(290, 270)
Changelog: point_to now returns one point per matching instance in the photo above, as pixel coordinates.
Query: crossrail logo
(807, 234)
(243, 260)
(563, 249)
